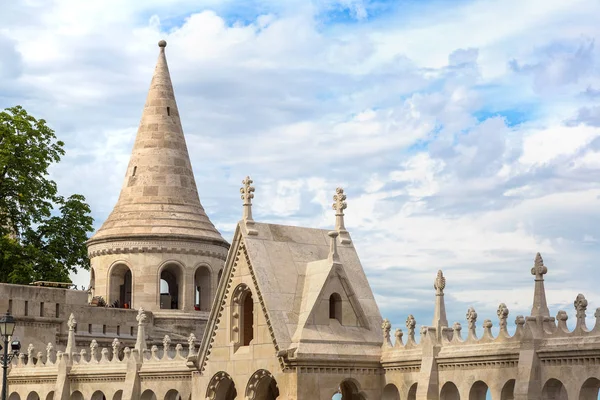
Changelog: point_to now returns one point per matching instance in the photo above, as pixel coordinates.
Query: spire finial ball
(162, 43)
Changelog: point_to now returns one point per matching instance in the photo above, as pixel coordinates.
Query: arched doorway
(118, 395)
(170, 287)
(412, 393)
(479, 391)
(33, 396)
(554, 390)
(221, 387)
(262, 386)
(449, 392)
(98, 395)
(202, 289)
(119, 286)
(590, 390)
(335, 307)
(148, 395)
(50, 396)
(172, 395)
(508, 390)
(390, 392)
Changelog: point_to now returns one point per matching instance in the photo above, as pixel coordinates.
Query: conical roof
(159, 197)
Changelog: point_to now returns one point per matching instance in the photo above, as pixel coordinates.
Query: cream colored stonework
(292, 317)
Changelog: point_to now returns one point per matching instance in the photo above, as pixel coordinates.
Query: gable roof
(290, 267)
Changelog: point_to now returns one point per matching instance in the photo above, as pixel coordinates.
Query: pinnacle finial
(162, 43)
(339, 205)
(440, 283)
(539, 269)
(247, 192)
(333, 251)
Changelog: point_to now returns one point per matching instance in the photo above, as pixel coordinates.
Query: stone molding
(101, 248)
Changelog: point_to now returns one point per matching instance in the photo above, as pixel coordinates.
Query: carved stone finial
(72, 323)
(141, 317)
(411, 323)
(247, 194)
(457, 327)
(539, 269)
(562, 316)
(580, 304)
(502, 315)
(440, 283)
(398, 335)
(339, 205)
(387, 327)
(423, 330)
(93, 350)
(166, 343)
(30, 351)
(49, 350)
(191, 344)
(471, 317)
(116, 346)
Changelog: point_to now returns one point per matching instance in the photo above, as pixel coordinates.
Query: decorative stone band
(156, 246)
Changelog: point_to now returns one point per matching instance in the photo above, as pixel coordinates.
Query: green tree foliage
(42, 234)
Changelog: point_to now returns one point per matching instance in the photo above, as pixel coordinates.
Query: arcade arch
(390, 392)
(98, 395)
(554, 390)
(478, 391)
(118, 395)
(14, 396)
(590, 390)
(148, 395)
(171, 286)
(350, 390)
(33, 396)
(412, 392)
(76, 395)
(262, 386)
(120, 284)
(449, 392)
(173, 395)
(50, 395)
(221, 387)
(508, 390)
(202, 288)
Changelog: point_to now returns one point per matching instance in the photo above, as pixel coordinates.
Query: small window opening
(10, 306)
(131, 331)
(42, 309)
(335, 307)
(26, 308)
(57, 310)
(134, 170)
(104, 329)
(248, 319)
(118, 330)
(169, 111)
(90, 329)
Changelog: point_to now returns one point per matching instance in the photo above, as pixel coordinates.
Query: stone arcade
(282, 313)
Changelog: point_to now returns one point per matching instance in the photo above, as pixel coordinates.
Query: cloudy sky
(466, 133)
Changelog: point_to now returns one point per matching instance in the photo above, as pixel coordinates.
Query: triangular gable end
(225, 292)
(324, 279)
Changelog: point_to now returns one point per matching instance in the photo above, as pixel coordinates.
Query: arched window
(202, 295)
(242, 316)
(247, 319)
(170, 287)
(335, 307)
(120, 285)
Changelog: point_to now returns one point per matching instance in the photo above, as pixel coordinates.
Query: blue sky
(465, 133)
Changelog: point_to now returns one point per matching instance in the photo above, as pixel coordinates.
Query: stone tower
(158, 249)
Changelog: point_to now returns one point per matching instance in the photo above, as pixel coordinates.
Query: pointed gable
(293, 277)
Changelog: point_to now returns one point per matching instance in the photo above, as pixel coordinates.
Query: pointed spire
(159, 195)
(439, 314)
(247, 192)
(540, 307)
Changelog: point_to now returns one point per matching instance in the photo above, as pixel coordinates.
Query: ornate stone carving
(386, 326)
(440, 283)
(539, 269)
(141, 317)
(562, 316)
(116, 346)
(410, 325)
(471, 318)
(339, 201)
(30, 351)
(93, 350)
(398, 334)
(502, 315)
(456, 328)
(191, 344)
(49, 351)
(580, 304)
(72, 323)
(254, 381)
(213, 385)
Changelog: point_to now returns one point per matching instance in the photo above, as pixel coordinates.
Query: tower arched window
(242, 316)
(335, 307)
